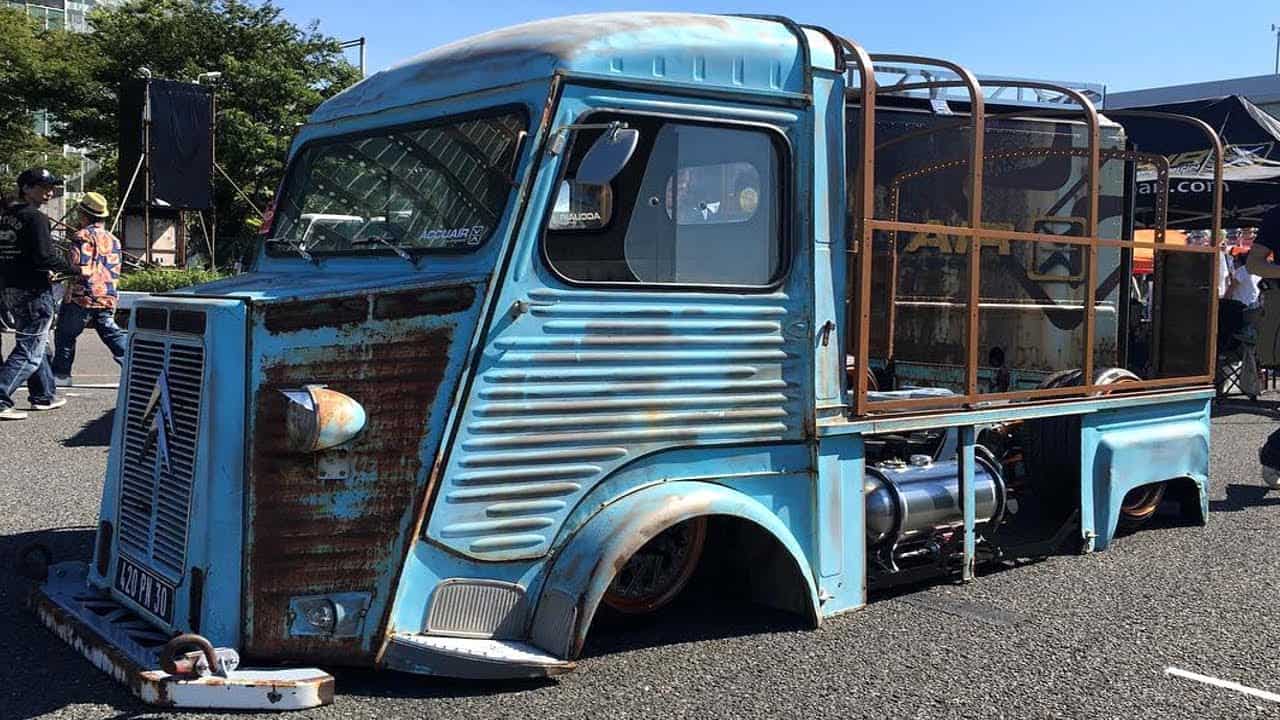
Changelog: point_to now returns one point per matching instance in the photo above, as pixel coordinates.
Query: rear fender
(584, 567)
(1127, 448)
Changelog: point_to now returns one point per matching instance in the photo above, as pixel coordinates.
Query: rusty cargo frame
(1160, 206)
(864, 225)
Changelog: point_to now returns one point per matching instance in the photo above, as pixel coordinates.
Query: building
(61, 14)
(58, 15)
(1261, 90)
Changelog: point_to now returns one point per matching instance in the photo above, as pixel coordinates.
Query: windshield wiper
(386, 243)
(296, 247)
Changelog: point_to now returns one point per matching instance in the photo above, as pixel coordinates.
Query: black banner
(1251, 163)
(181, 144)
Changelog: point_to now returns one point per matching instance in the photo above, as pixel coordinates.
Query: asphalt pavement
(1069, 637)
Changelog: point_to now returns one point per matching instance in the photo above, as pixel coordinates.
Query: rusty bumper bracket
(125, 647)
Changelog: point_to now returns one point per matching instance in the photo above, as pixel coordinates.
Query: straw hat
(94, 205)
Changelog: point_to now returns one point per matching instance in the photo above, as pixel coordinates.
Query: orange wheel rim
(657, 572)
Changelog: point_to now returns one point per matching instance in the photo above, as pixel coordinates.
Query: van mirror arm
(606, 157)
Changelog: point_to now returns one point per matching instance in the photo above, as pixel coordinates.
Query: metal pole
(1276, 29)
(968, 496)
(146, 178)
(125, 200)
(362, 44)
(243, 194)
(212, 234)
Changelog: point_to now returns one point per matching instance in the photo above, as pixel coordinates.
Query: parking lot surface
(1069, 637)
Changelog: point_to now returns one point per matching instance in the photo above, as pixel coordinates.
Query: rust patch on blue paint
(315, 314)
(314, 537)
(416, 303)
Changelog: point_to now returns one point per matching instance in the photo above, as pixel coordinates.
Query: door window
(696, 205)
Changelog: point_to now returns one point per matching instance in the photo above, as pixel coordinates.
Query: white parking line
(1243, 689)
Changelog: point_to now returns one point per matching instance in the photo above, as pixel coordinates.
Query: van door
(668, 309)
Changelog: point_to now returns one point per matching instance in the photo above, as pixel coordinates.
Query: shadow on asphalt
(36, 654)
(1241, 497)
(697, 614)
(390, 684)
(34, 658)
(1226, 407)
(693, 617)
(95, 433)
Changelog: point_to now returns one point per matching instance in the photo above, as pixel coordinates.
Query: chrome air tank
(908, 499)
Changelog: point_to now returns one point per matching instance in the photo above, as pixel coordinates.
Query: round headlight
(323, 616)
(318, 418)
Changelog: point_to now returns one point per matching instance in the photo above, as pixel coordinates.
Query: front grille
(155, 495)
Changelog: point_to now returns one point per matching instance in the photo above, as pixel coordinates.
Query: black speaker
(181, 144)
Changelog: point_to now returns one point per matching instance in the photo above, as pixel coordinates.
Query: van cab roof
(725, 52)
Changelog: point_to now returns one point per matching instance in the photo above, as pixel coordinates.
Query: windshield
(442, 186)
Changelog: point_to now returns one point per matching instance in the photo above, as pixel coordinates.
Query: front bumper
(127, 648)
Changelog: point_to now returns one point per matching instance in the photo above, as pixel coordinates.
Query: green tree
(274, 73)
(24, 78)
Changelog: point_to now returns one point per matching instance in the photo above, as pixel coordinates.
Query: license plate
(144, 588)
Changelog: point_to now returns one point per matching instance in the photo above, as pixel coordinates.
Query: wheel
(656, 573)
(1140, 504)
(1053, 443)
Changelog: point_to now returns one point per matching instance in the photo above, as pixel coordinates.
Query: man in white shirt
(1241, 299)
(1242, 285)
(1224, 271)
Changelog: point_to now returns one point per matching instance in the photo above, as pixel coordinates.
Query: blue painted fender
(587, 563)
(1127, 448)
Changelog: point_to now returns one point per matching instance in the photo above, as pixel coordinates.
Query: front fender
(584, 567)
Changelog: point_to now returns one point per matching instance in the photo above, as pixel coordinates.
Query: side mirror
(608, 156)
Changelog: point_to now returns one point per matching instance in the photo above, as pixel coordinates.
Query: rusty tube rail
(860, 214)
(1093, 160)
(1211, 352)
(976, 123)
(865, 224)
(1091, 240)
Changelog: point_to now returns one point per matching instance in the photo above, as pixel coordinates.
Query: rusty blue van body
(439, 433)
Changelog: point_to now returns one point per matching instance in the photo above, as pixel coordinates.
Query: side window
(696, 205)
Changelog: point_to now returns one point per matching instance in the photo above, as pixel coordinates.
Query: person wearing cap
(29, 267)
(92, 295)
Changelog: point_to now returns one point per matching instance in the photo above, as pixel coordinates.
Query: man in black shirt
(28, 265)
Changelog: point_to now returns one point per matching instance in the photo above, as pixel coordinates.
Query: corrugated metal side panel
(588, 380)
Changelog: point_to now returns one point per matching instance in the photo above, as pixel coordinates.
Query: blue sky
(1126, 44)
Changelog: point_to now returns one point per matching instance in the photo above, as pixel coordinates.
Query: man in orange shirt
(92, 295)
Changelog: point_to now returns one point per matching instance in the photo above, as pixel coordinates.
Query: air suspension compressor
(914, 515)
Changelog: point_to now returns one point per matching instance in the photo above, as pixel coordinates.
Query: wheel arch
(584, 567)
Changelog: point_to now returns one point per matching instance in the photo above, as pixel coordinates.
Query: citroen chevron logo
(160, 414)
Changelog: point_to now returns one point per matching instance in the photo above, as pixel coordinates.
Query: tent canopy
(1251, 168)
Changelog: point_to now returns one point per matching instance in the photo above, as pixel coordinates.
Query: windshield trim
(272, 249)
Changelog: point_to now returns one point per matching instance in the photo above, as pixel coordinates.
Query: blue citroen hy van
(548, 321)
